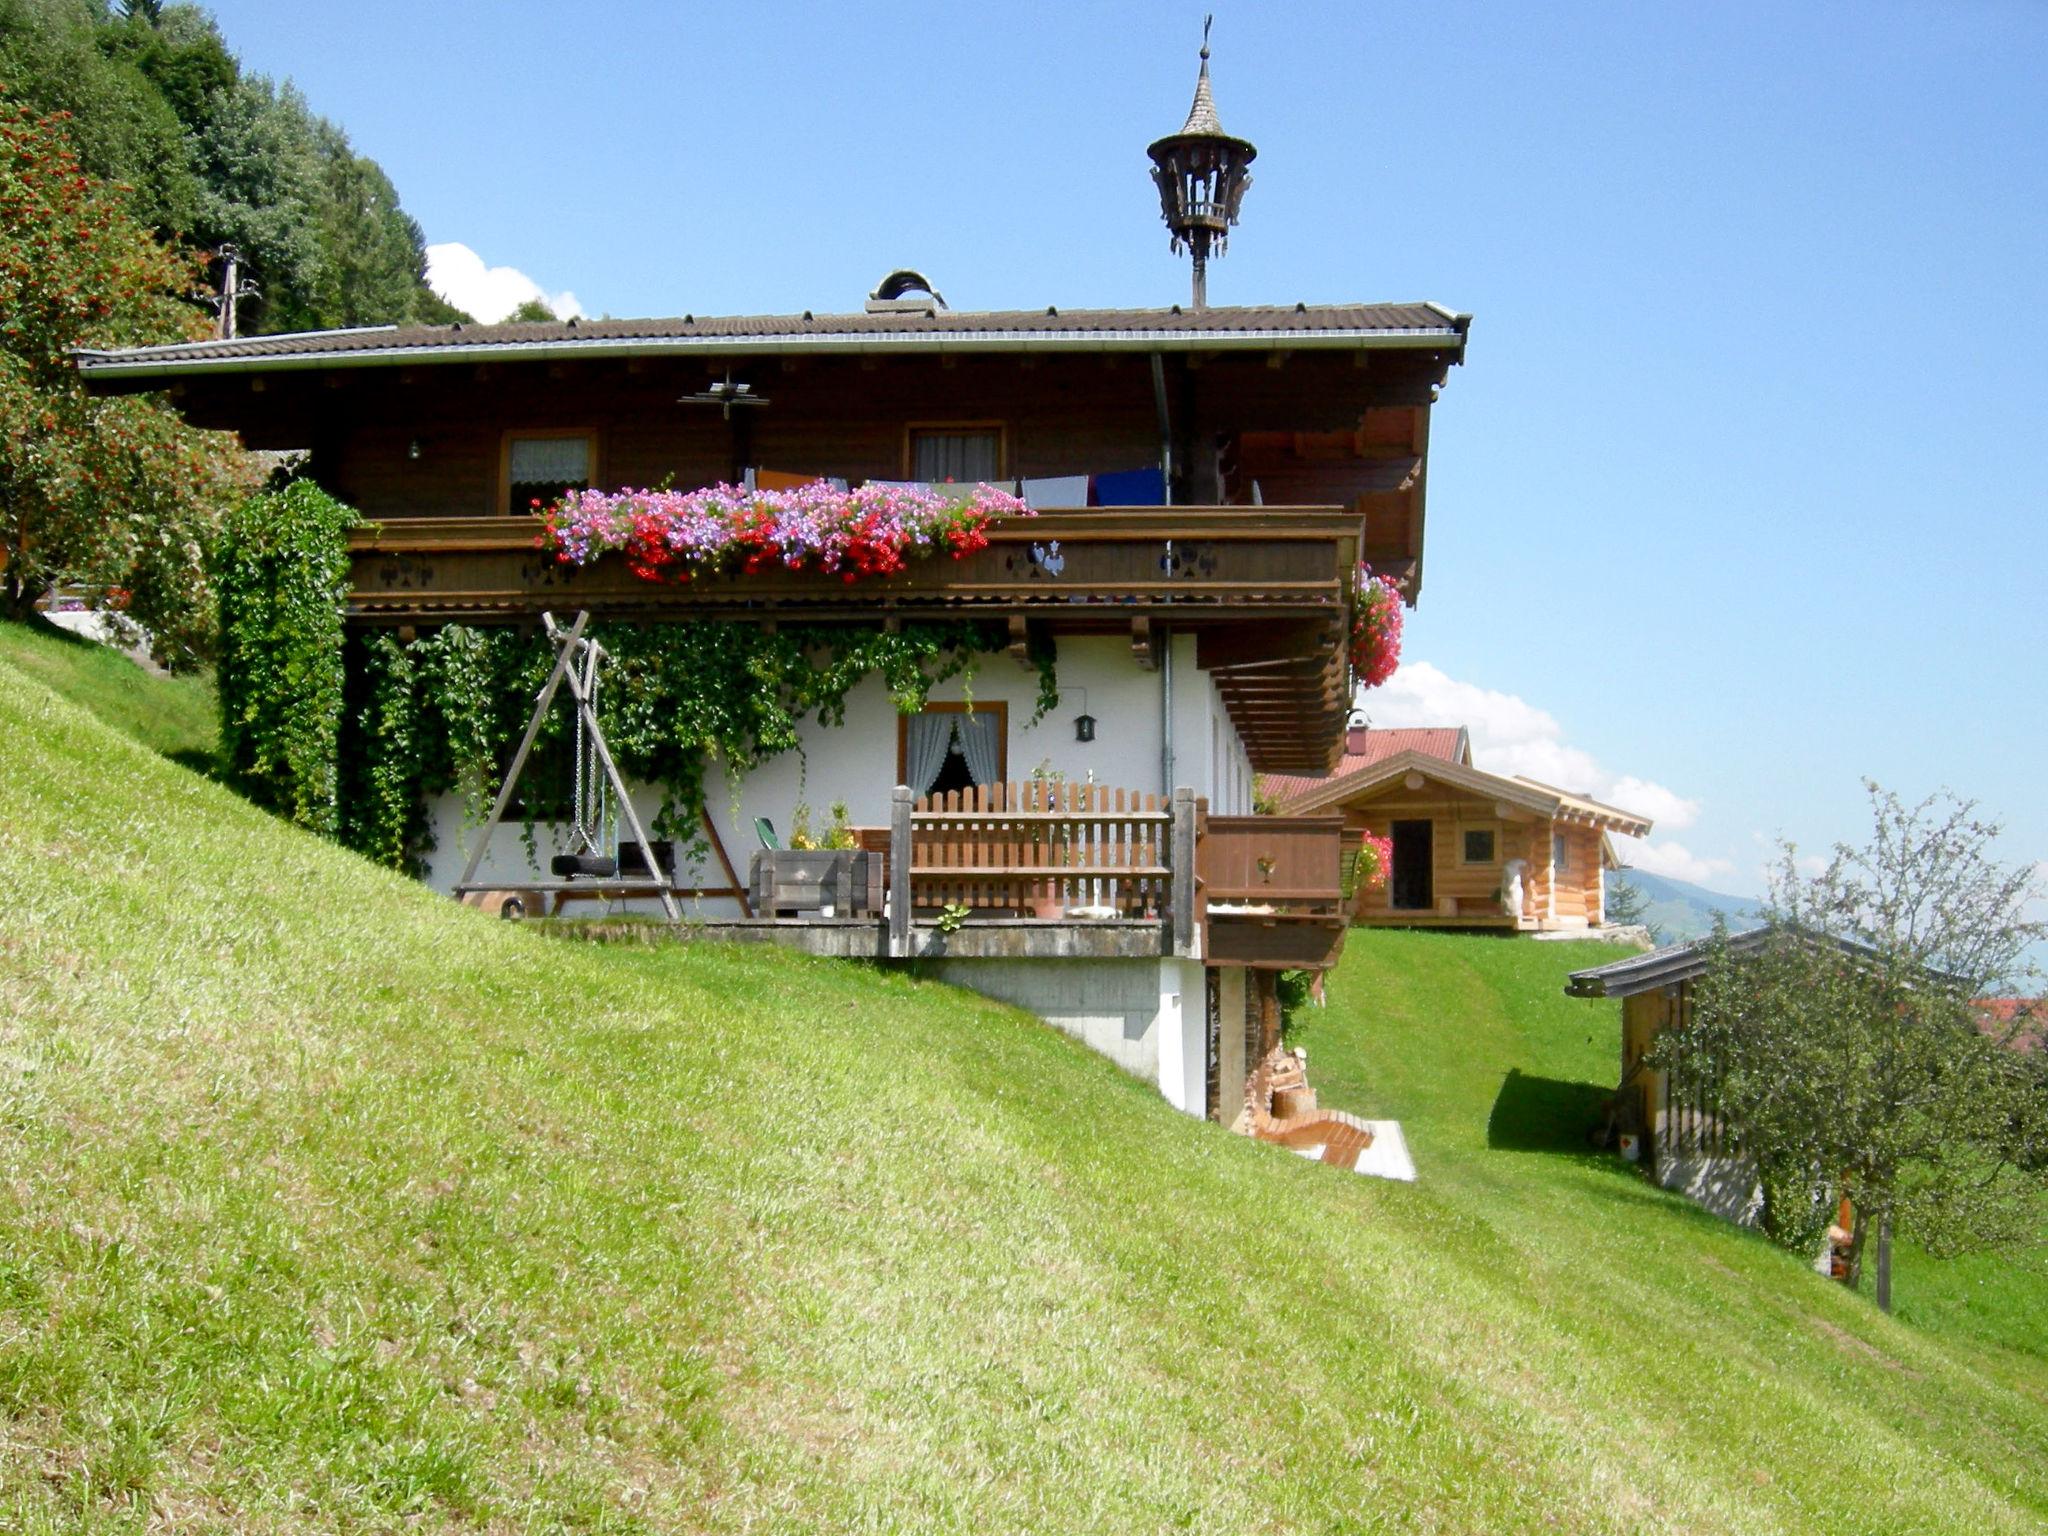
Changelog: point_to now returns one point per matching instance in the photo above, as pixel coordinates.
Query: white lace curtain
(929, 737)
(979, 744)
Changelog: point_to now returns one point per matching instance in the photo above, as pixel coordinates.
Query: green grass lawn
(176, 716)
(325, 1204)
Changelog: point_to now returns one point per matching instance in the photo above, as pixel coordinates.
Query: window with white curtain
(540, 467)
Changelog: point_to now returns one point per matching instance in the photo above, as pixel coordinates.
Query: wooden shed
(1471, 849)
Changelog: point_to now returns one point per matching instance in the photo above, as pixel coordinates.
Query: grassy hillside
(1501, 1102)
(176, 716)
(326, 1204)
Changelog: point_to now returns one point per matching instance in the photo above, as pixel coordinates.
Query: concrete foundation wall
(1147, 1016)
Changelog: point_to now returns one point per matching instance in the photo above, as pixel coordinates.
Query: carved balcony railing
(1277, 560)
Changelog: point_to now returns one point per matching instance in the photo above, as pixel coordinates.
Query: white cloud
(1512, 736)
(1672, 860)
(459, 275)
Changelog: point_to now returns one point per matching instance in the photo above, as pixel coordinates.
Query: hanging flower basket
(1371, 865)
(1375, 627)
(727, 530)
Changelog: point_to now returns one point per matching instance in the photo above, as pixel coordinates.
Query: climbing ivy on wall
(443, 712)
(280, 570)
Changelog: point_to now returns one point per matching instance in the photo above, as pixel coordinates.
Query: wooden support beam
(1144, 646)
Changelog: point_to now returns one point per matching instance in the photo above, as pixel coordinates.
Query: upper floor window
(967, 452)
(540, 466)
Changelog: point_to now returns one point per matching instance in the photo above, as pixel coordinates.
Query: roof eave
(131, 364)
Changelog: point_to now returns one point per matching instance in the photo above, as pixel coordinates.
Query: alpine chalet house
(1167, 511)
(1467, 848)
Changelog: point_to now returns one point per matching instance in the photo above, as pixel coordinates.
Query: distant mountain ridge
(1679, 910)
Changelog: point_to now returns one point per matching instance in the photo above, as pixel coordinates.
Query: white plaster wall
(1725, 1186)
(857, 761)
(1147, 1016)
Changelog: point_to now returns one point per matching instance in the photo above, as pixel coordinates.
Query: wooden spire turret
(1202, 174)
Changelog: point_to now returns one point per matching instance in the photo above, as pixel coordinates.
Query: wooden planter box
(788, 882)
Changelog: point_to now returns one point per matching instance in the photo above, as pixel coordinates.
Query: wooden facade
(1466, 843)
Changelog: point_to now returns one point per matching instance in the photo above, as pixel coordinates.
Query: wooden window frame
(996, 707)
(1000, 428)
(1560, 851)
(501, 504)
(1491, 829)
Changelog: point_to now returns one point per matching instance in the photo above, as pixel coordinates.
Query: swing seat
(584, 866)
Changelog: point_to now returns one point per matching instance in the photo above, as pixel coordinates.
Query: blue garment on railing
(1130, 488)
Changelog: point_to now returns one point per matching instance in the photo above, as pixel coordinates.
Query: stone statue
(1511, 886)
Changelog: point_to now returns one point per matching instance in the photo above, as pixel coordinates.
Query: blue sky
(1740, 496)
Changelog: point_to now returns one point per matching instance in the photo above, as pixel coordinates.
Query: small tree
(1625, 904)
(1845, 1051)
(114, 493)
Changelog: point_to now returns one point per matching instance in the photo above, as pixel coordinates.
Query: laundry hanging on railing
(1130, 488)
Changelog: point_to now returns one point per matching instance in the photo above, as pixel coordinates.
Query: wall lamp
(1084, 723)
(413, 449)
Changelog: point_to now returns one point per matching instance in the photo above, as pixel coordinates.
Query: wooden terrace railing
(1263, 891)
(1273, 889)
(1003, 848)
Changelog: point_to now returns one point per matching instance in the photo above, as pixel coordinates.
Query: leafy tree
(1846, 1051)
(114, 493)
(530, 310)
(55, 58)
(159, 106)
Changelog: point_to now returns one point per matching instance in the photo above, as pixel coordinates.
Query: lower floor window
(942, 750)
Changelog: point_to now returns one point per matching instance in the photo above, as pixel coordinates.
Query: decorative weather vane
(1201, 173)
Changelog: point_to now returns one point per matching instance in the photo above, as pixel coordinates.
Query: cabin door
(1410, 889)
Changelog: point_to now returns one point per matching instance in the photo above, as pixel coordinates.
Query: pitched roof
(1422, 325)
(1376, 744)
(1526, 793)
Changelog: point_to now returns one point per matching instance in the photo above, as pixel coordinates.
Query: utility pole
(233, 289)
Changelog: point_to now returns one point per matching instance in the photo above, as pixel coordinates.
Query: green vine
(280, 569)
(442, 711)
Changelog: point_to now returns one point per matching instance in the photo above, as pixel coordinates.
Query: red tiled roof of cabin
(2022, 1021)
(1426, 325)
(1365, 746)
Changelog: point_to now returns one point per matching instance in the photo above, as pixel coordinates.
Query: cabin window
(947, 747)
(539, 467)
(1479, 845)
(1560, 848)
(967, 452)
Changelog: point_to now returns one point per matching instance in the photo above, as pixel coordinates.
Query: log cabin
(1204, 485)
(1471, 849)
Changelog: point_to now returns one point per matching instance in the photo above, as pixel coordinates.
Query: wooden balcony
(1272, 890)
(1265, 589)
